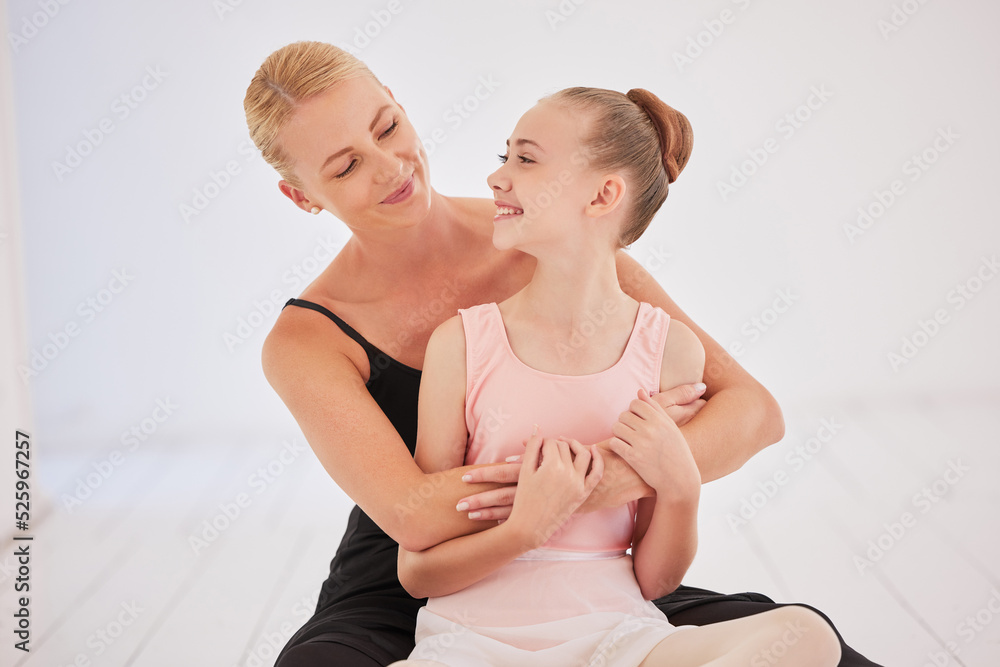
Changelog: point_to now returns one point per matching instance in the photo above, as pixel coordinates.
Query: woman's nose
(390, 166)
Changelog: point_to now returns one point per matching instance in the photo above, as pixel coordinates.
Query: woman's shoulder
(477, 211)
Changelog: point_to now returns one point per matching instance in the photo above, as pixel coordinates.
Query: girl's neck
(569, 289)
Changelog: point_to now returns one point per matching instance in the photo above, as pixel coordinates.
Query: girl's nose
(498, 181)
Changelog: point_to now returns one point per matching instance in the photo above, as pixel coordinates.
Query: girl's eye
(392, 128)
(347, 171)
(523, 159)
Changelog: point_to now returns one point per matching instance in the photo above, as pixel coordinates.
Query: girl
(584, 173)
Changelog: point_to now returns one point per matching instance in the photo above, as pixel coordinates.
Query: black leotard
(365, 618)
(362, 599)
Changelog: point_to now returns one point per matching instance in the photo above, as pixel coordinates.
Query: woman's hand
(649, 441)
(495, 504)
(556, 477)
(682, 402)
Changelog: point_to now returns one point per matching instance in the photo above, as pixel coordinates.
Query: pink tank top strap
(645, 351)
(483, 342)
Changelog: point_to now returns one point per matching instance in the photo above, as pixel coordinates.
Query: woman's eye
(392, 128)
(347, 171)
(503, 158)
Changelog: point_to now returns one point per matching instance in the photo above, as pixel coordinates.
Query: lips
(505, 210)
(402, 194)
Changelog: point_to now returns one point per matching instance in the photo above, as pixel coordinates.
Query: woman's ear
(609, 196)
(297, 196)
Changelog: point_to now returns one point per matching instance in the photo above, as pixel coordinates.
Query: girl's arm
(741, 417)
(442, 438)
(547, 493)
(666, 531)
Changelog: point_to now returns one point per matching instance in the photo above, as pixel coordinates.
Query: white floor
(119, 581)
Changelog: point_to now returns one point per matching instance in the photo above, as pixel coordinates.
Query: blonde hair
(639, 134)
(288, 77)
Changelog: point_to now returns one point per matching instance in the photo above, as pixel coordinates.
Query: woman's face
(357, 156)
(544, 185)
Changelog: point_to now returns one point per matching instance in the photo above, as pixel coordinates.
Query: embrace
(551, 416)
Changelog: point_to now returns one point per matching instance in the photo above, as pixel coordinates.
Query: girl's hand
(556, 477)
(649, 441)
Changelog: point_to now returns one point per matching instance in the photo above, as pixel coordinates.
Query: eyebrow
(521, 142)
(371, 128)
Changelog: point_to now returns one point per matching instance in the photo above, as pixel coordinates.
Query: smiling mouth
(401, 194)
(507, 212)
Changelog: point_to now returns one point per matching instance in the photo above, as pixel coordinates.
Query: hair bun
(672, 128)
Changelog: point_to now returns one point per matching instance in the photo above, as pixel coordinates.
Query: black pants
(331, 639)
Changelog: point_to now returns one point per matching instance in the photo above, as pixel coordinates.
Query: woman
(549, 587)
(342, 144)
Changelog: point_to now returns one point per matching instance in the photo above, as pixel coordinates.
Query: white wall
(188, 282)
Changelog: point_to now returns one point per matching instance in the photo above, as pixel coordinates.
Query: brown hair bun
(672, 128)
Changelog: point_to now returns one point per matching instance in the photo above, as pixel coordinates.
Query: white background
(889, 91)
(784, 230)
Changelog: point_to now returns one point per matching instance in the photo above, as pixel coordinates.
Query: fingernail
(462, 506)
(466, 478)
(535, 431)
(512, 459)
(701, 386)
(474, 515)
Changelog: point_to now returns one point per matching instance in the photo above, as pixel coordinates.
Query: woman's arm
(556, 477)
(314, 368)
(741, 417)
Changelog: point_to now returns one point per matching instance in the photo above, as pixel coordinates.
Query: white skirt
(544, 611)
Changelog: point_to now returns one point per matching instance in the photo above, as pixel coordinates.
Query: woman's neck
(415, 250)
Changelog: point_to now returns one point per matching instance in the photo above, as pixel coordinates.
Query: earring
(314, 210)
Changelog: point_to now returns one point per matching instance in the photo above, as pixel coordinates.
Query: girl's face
(544, 186)
(358, 157)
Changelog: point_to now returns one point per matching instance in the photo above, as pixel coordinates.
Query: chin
(505, 237)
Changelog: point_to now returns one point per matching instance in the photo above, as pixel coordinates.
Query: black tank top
(365, 564)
